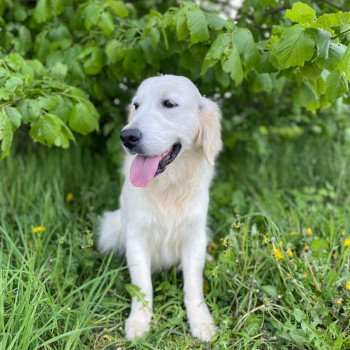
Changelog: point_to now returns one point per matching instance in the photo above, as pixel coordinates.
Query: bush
(56, 56)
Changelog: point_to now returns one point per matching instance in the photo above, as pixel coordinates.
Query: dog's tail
(109, 233)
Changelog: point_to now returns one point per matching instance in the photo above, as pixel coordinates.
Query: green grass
(58, 292)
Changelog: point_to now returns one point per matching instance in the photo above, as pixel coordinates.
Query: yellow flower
(309, 231)
(107, 337)
(206, 287)
(38, 229)
(347, 242)
(278, 254)
(339, 301)
(289, 252)
(306, 247)
(69, 197)
(335, 255)
(212, 247)
(347, 286)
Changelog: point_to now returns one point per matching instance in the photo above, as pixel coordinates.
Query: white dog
(172, 139)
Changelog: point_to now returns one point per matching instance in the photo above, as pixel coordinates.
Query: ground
(279, 278)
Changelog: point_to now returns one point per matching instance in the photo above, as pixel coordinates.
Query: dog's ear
(209, 136)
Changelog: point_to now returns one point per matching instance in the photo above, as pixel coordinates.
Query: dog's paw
(202, 324)
(203, 331)
(137, 325)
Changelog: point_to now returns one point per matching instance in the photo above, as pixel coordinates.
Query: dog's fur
(165, 223)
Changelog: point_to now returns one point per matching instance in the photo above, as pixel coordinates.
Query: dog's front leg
(193, 259)
(139, 265)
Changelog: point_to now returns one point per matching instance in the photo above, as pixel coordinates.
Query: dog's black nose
(130, 137)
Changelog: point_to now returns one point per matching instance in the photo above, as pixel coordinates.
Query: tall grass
(278, 279)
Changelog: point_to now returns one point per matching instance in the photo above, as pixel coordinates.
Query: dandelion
(347, 242)
(290, 252)
(347, 286)
(227, 243)
(212, 247)
(107, 337)
(339, 301)
(278, 254)
(38, 229)
(306, 247)
(69, 197)
(309, 231)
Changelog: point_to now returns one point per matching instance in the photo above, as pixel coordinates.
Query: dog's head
(168, 116)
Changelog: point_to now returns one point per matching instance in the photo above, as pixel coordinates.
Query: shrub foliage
(59, 59)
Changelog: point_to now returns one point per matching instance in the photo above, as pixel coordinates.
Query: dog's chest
(166, 240)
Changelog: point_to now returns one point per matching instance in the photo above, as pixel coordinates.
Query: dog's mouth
(144, 168)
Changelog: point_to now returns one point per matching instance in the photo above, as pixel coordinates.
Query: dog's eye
(169, 104)
(136, 105)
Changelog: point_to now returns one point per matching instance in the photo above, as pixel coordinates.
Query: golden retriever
(171, 142)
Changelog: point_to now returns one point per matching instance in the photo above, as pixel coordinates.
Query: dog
(171, 140)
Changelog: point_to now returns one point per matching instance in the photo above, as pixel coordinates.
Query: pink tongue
(143, 169)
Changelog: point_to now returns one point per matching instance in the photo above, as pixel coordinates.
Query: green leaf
(83, 118)
(134, 61)
(63, 109)
(59, 69)
(300, 13)
(263, 82)
(334, 19)
(299, 315)
(58, 6)
(49, 102)
(135, 291)
(222, 77)
(42, 11)
(245, 45)
(297, 338)
(76, 92)
(93, 60)
(338, 344)
(345, 63)
(320, 247)
(305, 95)
(182, 31)
(50, 130)
(270, 290)
(14, 117)
(214, 21)
(215, 51)
(6, 134)
(233, 65)
(322, 39)
(4, 95)
(336, 85)
(115, 51)
(29, 109)
(119, 8)
(294, 48)
(335, 54)
(197, 25)
(14, 82)
(17, 63)
(106, 23)
(91, 14)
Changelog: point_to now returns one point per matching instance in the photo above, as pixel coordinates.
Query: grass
(278, 279)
